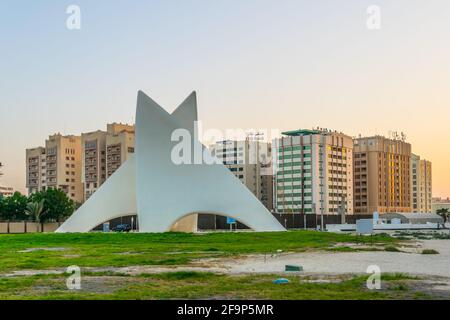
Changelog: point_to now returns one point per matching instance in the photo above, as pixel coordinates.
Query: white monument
(166, 195)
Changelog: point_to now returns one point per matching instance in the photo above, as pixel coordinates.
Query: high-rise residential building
(421, 184)
(103, 153)
(58, 165)
(313, 172)
(79, 165)
(36, 169)
(93, 161)
(382, 180)
(63, 164)
(250, 162)
(119, 145)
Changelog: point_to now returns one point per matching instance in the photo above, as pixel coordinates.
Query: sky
(254, 63)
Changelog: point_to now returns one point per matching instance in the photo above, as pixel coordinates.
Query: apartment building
(120, 141)
(313, 172)
(382, 179)
(58, 165)
(36, 169)
(103, 153)
(79, 165)
(421, 184)
(250, 162)
(94, 161)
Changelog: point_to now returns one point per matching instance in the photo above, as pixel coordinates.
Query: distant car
(122, 228)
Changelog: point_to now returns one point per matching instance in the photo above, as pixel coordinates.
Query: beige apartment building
(314, 172)
(421, 185)
(120, 141)
(103, 153)
(58, 165)
(250, 162)
(93, 162)
(36, 169)
(63, 164)
(79, 165)
(382, 179)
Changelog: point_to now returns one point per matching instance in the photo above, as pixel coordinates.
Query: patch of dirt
(29, 273)
(326, 278)
(357, 246)
(71, 256)
(438, 287)
(138, 270)
(41, 249)
(89, 284)
(129, 253)
(104, 284)
(193, 252)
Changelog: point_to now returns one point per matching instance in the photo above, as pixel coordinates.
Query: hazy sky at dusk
(254, 64)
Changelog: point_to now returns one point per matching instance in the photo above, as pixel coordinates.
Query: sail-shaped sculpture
(164, 194)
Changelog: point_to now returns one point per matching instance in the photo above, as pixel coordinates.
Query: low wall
(287, 220)
(27, 227)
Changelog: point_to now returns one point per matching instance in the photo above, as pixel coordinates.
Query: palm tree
(444, 213)
(36, 211)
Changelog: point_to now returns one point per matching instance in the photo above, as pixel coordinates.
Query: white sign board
(364, 226)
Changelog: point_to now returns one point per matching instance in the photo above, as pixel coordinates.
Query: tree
(2, 203)
(13, 208)
(444, 213)
(36, 211)
(57, 205)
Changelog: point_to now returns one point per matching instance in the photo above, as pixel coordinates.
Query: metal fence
(288, 220)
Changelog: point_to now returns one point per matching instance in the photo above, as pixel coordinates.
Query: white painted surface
(115, 198)
(167, 192)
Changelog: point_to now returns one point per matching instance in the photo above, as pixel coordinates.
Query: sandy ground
(351, 262)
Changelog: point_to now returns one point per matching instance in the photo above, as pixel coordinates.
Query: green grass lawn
(118, 250)
(18, 252)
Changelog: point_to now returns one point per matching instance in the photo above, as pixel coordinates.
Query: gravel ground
(352, 262)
